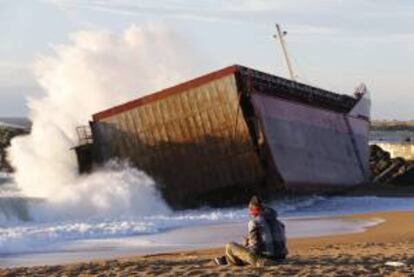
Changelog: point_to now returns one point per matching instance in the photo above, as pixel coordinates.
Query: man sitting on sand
(266, 240)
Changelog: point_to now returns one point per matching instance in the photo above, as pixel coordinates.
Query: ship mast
(280, 35)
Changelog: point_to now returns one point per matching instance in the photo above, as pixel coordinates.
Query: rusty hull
(223, 136)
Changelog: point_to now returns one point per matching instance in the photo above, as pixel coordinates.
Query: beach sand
(360, 254)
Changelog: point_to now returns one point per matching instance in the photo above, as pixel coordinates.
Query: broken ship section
(223, 136)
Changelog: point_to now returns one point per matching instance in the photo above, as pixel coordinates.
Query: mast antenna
(281, 35)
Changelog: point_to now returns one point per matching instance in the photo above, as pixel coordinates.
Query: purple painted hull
(313, 147)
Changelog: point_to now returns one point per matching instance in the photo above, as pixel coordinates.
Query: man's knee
(230, 245)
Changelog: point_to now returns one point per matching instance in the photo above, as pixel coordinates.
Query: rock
(6, 135)
(386, 170)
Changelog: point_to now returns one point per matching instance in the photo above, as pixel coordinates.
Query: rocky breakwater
(7, 133)
(385, 169)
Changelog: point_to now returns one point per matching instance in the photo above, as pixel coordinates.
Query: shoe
(220, 260)
(261, 262)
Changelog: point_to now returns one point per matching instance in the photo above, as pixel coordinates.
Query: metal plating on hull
(313, 147)
(220, 137)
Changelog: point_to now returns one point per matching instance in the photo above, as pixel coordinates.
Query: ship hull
(235, 132)
(313, 148)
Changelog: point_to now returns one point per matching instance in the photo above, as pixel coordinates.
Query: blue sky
(335, 44)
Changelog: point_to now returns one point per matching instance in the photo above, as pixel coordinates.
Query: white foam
(116, 190)
(46, 234)
(94, 71)
(214, 234)
(51, 225)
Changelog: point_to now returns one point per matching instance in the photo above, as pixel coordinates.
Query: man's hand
(246, 241)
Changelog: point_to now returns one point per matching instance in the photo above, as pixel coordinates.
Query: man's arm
(253, 236)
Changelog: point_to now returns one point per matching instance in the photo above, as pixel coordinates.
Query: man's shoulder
(270, 211)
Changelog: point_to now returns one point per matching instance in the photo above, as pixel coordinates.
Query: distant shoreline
(392, 125)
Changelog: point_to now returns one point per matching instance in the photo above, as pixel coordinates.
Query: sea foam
(53, 234)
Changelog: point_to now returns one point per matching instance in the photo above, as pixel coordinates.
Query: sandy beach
(361, 254)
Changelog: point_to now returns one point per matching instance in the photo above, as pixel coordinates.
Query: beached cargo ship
(225, 135)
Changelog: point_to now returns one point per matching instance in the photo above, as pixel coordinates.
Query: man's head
(255, 206)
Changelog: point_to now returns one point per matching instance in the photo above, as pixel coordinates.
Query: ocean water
(48, 240)
(206, 235)
(390, 136)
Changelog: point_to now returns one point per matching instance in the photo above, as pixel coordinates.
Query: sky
(334, 44)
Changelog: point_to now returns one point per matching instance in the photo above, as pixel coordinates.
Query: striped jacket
(266, 234)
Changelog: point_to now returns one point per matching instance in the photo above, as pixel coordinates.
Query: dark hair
(255, 201)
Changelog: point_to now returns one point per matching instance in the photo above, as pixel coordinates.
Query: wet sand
(360, 254)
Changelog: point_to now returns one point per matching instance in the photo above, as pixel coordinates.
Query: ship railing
(84, 135)
(265, 82)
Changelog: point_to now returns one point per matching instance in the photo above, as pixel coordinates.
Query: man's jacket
(266, 234)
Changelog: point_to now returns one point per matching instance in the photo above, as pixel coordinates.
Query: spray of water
(96, 70)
